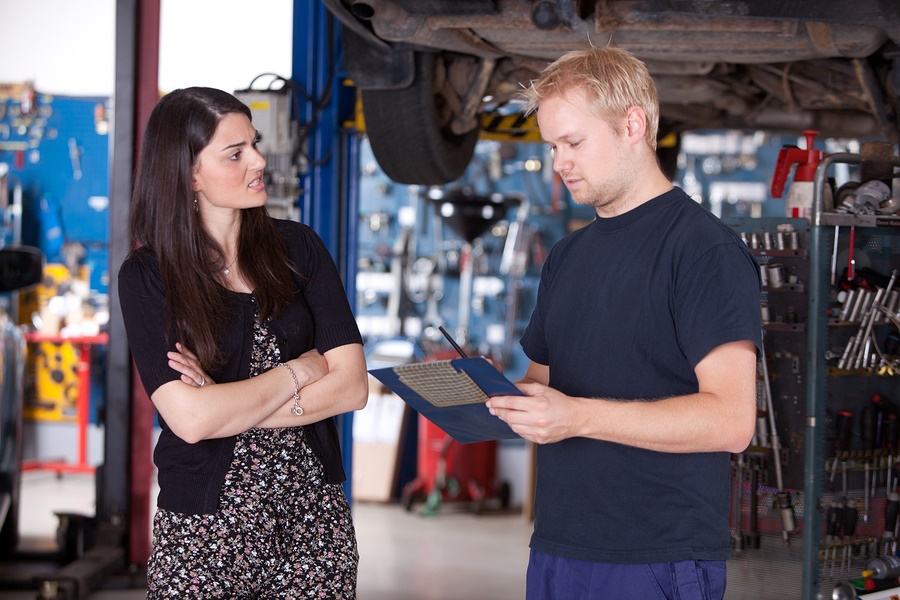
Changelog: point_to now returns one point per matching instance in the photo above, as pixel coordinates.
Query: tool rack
(800, 331)
(759, 553)
(829, 388)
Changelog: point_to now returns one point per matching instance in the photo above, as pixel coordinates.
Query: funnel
(469, 214)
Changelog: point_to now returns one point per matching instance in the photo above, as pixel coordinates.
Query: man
(643, 347)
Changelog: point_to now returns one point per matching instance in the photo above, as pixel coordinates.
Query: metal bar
(819, 292)
(325, 204)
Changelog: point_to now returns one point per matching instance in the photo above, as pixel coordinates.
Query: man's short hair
(613, 79)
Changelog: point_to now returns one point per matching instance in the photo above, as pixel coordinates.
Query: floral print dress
(281, 531)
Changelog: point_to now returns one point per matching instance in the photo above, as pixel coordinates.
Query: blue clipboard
(452, 395)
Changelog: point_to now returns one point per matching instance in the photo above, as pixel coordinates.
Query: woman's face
(228, 173)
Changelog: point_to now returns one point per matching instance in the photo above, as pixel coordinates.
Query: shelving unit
(824, 388)
(803, 338)
(755, 493)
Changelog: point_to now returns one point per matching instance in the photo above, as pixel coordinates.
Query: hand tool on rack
(752, 535)
(842, 422)
(891, 433)
(879, 445)
(851, 512)
(788, 524)
(867, 433)
(850, 300)
(856, 353)
(833, 522)
(888, 538)
(863, 353)
(738, 501)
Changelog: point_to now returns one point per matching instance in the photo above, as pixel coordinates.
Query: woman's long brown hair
(163, 221)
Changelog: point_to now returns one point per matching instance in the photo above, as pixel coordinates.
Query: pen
(452, 342)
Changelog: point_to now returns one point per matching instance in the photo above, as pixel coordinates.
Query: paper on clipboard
(452, 395)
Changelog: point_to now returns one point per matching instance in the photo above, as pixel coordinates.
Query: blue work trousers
(554, 578)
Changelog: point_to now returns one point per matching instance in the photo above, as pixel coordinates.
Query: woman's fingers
(186, 362)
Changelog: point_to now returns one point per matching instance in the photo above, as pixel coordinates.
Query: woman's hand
(312, 364)
(185, 362)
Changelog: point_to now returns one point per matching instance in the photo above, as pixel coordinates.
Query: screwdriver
(880, 424)
(891, 506)
(891, 432)
(842, 423)
(867, 428)
(850, 517)
(752, 536)
(833, 523)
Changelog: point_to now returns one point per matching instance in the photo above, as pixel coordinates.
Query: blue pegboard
(59, 156)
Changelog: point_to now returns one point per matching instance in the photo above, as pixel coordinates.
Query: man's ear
(635, 124)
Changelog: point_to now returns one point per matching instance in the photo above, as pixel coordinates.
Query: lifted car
(429, 71)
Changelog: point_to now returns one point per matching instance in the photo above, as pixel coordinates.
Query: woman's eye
(235, 156)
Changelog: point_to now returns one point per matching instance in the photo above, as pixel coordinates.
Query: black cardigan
(191, 475)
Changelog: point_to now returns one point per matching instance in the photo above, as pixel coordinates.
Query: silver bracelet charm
(296, 409)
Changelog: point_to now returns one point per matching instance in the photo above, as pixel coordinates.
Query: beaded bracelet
(296, 409)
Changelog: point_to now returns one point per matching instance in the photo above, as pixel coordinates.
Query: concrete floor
(453, 555)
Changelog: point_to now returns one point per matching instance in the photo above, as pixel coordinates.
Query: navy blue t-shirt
(627, 307)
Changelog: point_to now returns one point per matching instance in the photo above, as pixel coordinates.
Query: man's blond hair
(613, 79)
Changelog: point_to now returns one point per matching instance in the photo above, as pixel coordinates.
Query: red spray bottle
(800, 196)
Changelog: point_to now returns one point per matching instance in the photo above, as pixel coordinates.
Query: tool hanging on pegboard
(783, 497)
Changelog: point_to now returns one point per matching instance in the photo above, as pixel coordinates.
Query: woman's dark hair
(163, 221)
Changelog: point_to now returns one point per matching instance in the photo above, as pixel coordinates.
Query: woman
(245, 342)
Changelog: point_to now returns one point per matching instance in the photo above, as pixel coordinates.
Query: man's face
(591, 158)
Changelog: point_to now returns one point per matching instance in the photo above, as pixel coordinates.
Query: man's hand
(542, 416)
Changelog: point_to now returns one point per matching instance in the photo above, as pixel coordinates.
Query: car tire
(409, 140)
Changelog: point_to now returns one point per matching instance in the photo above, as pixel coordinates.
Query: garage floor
(453, 555)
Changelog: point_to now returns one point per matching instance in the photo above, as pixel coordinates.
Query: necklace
(227, 270)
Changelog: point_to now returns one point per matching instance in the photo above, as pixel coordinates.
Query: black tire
(409, 140)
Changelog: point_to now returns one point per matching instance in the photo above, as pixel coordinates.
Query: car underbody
(769, 65)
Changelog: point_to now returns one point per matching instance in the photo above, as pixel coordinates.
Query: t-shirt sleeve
(534, 339)
(717, 301)
(143, 303)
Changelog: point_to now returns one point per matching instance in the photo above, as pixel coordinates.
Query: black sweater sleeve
(143, 302)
